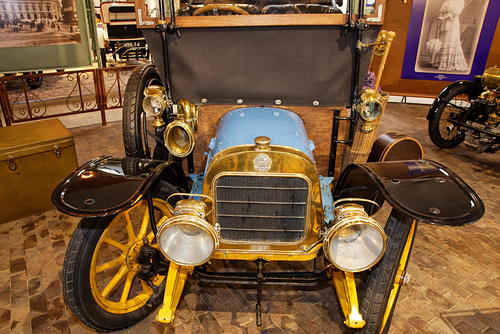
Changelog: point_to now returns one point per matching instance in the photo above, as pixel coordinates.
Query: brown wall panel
(397, 18)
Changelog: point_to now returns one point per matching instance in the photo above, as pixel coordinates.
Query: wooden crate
(34, 158)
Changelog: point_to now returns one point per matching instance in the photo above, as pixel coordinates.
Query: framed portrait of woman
(449, 39)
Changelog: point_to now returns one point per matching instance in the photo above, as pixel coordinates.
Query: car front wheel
(101, 283)
(384, 282)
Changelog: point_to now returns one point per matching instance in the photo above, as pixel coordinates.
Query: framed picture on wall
(40, 35)
(33, 23)
(449, 39)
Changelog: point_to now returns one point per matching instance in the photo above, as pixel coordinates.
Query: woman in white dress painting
(450, 56)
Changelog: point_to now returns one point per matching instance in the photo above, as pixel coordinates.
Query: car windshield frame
(161, 14)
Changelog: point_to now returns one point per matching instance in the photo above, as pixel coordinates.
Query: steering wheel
(221, 7)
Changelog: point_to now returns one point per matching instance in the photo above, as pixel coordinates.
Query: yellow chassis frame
(346, 291)
(343, 281)
(176, 279)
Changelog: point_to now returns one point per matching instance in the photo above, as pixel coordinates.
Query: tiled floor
(455, 284)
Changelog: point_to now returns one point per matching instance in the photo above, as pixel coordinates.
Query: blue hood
(241, 126)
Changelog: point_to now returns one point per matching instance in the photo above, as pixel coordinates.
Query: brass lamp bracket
(188, 112)
(383, 38)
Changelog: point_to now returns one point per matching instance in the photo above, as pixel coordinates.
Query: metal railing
(62, 93)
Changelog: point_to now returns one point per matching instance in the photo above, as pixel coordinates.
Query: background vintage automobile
(469, 112)
(121, 37)
(260, 195)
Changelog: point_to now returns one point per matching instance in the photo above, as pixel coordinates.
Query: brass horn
(179, 134)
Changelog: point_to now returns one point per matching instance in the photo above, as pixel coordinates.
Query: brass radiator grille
(261, 208)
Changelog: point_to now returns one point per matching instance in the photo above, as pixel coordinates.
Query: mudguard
(435, 105)
(107, 185)
(422, 189)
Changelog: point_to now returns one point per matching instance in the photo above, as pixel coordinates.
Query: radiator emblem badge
(262, 163)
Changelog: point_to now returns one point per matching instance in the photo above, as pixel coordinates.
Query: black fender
(440, 98)
(422, 189)
(108, 185)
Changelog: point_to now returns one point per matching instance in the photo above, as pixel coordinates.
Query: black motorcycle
(468, 111)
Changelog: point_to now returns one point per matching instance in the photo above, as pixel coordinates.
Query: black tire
(381, 290)
(34, 82)
(443, 133)
(85, 280)
(138, 144)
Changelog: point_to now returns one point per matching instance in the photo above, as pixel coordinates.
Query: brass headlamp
(370, 108)
(356, 241)
(154, 103)
(179, 134)
(187, 238)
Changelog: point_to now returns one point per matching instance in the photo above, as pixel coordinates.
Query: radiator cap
(262, 143)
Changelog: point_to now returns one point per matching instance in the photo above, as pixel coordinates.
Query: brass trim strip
(256, 230)
(258, 202)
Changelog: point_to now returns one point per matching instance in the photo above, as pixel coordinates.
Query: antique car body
(259, 196)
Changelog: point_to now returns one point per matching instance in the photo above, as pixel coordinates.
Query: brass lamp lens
(180, 137)
(152, 105)
(349, 234)
(187, 244)
(370, 110)
(187, 240)
(355, 244)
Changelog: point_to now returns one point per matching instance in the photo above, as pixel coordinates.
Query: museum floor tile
(454, 287)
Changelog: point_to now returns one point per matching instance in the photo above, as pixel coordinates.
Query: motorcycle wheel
(135, 123)
(443, 133)
(100, 282)
(384, 282)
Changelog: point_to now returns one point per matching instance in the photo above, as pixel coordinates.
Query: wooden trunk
(34, 158)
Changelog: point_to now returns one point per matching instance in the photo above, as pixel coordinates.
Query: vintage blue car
(247, 185)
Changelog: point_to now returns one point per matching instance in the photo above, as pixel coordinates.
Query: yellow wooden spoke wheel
(100, 274)
(114, 266)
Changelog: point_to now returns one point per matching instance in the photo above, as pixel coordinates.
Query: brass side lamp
(154, 103)
(370, 108)
(179, 134)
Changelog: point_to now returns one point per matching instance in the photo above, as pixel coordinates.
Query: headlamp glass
(154, 101)
(370, 108)
(355, 244)
(152, 105)
(179, 138)
(187, 241)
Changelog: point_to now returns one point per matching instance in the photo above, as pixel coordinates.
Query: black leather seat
(190, 9)
(281, 9)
